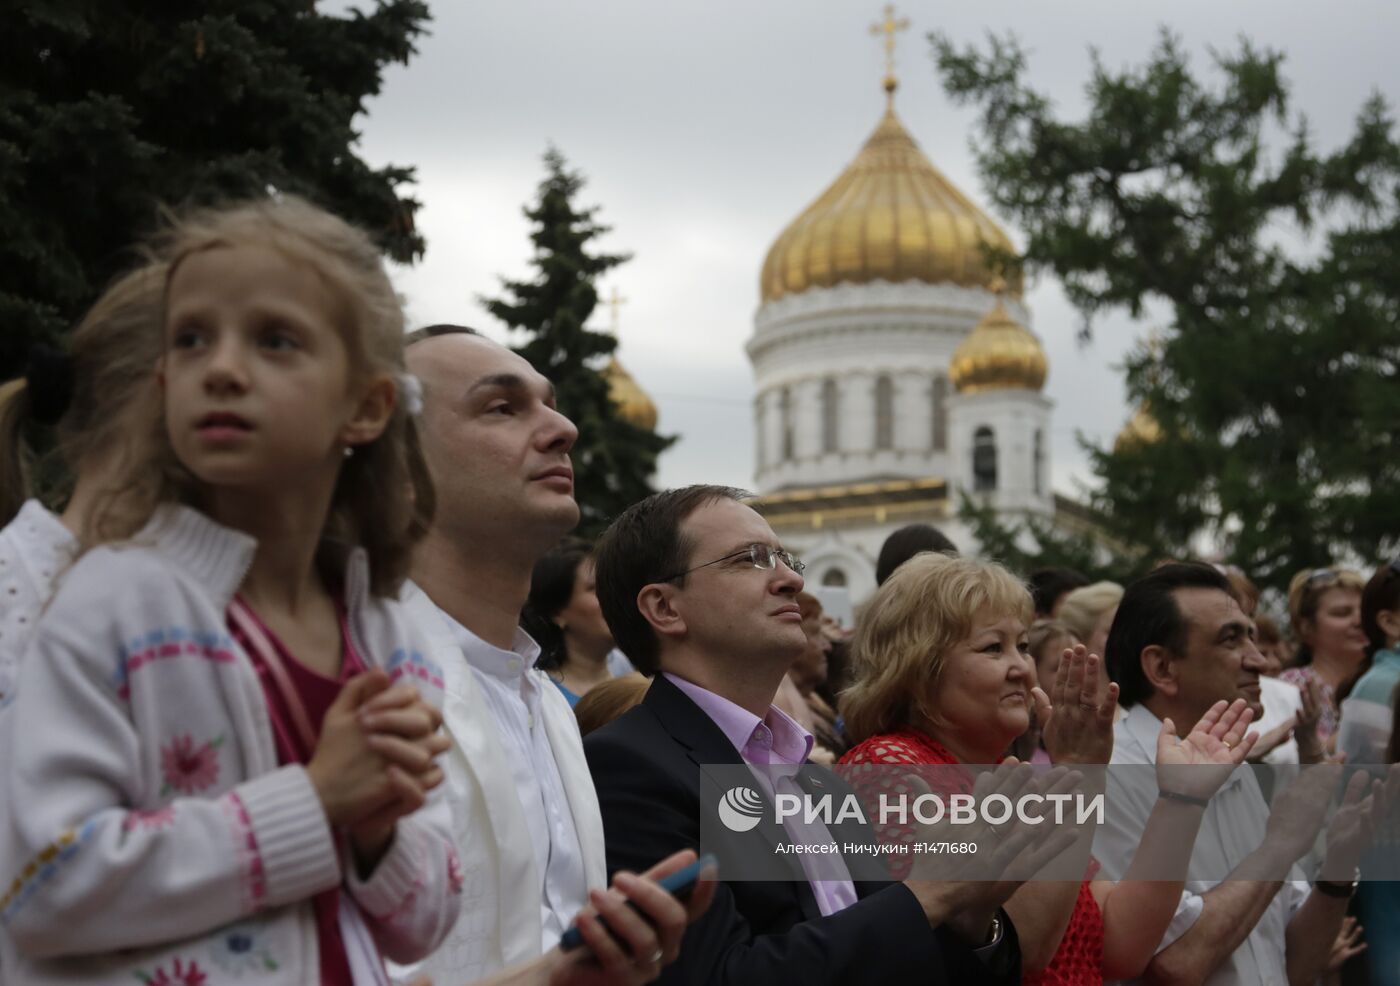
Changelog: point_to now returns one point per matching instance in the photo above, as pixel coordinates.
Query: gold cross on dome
(615, 302)
(889, 27)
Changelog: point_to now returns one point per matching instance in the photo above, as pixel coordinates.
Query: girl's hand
(1077, 717)
(405, 731)
(349, 775)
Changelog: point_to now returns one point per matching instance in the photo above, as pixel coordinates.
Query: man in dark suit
(699, 593)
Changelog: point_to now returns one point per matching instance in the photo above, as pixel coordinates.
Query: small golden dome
(633, 404)
(892, 216)
(998, 354)
(1141, 429)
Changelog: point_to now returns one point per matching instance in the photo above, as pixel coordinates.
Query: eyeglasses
(763, 556)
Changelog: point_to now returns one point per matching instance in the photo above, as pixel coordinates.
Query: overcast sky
(704, 128)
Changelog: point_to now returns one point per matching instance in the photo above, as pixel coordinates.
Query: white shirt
(512, 690)
(1232, 828)
(34, 548)
(1281, 699)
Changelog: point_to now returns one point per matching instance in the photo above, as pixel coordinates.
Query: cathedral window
(830, 416)
(1038, 462)
(761, 431)
(785, 409)
(984, 460)
(884, 412)
(939, 431)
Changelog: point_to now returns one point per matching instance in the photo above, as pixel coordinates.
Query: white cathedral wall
(852, 333)
(1014, 416)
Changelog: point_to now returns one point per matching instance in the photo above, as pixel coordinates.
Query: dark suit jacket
(648, 768)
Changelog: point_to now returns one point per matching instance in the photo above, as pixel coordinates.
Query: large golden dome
(998, 354)
(891, 216)
(633, 404)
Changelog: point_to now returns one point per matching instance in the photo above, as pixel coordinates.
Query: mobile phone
(679, 885)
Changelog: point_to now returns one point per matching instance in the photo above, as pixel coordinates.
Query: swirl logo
(740, 809)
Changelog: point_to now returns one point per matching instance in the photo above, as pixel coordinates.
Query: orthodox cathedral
(894, 368)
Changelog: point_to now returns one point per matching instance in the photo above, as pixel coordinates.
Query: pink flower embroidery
(152, 818)
(187, 768)
(455, 879)
(181, 975)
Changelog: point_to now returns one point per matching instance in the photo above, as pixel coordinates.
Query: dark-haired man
(905, 543)
(1179, 644)
(528, 830)
(699, 592)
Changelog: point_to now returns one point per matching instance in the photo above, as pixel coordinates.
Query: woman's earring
(349, 451)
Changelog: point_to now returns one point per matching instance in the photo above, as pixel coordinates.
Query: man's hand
(1354, 825)
(1204, 759)
(639, 945)
(964, 890)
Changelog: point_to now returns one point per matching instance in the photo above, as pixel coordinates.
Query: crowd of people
(303, 679)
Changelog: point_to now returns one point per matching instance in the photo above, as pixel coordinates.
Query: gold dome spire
(892, 216)
(633, 404)
(1141, 429)
(998, 354)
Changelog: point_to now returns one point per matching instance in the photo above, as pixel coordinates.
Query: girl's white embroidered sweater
(147, 833)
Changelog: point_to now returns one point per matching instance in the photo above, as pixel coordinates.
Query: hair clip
(411, 392)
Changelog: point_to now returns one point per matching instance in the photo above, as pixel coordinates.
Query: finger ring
(656, 956)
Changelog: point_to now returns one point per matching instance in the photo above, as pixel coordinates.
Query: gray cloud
(705, 127)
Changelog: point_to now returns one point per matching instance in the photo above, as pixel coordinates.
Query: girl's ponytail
(114, 350)
(14, 453)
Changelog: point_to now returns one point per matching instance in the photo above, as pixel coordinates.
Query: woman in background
(1324, 606)
(563, 616)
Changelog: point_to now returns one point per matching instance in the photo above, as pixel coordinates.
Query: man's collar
(508, 665)
(738, 724)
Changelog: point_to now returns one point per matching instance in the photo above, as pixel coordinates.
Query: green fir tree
(613, 459)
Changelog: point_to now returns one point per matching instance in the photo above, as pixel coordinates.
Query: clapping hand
(1310, 749)
(1077, 717)
(1352, 828)
(1197, 764)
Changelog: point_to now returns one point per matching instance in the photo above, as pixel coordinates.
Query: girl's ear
(372, 415)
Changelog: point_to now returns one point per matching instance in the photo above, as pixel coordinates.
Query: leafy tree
(1030, 543)
(1274, 384)
(613, 458)
(112, 108)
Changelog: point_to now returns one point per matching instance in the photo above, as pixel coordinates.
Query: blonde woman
(943, 675)
(1089, 612)
(1324, 608)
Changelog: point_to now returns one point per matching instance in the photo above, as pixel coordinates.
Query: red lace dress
(1079, 959)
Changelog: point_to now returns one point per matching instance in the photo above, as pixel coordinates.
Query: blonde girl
(227, 729)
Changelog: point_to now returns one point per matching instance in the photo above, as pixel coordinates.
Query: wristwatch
(994, 932)
(1341, 891)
